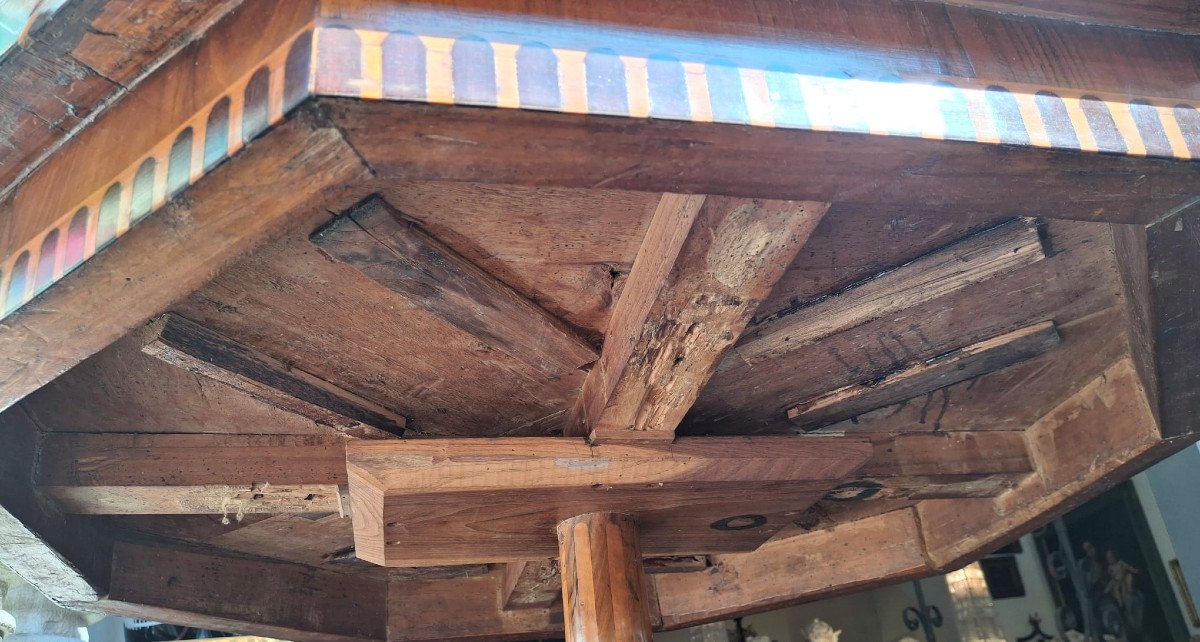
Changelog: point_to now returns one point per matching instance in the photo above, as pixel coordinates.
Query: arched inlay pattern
(1150, 128)
(296, 71)
(404, 66)
(668, 88)
(1104, 128)
(1054, 115)
(76, 240)
(179, 163)
(956, 113)
(725, 91)
(1006, 114)
(606, 83)
(143, 190)
(46, 262)
(1189, 125)
(537, 77)
(17, 279)
(110, 214)
(216, 134)
(256, 112)
(474, 71)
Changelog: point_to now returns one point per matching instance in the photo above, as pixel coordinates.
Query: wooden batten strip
(943, 272)
(926, 376)
(189, 345)
(405, 260)
(702, 269)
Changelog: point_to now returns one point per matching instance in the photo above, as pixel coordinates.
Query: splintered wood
(948, 270)
(456, 501)
(703, 267)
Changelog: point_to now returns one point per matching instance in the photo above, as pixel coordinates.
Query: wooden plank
(704, 266)
(455, 501)
(535, 584)
(409, 262)
(959, 265)
(221, 474)
(191, 346)
(1178, 16)
(63, 556)
(284, 181)
(410, 141)
(201, 588)
(604, 587)
(926, 376)
(1096, 437)
(884, 549)
(466, 608)
(205, 473)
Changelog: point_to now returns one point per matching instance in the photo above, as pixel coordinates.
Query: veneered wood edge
(289, 179)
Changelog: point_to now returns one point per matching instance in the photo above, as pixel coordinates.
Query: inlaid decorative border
(469, 70)
(439, 59)
(256, 101)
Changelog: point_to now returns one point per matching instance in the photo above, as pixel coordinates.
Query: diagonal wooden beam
(961, 264)
(402, 258)
(703, 267)
(925, 376)
(535, 584)
(189, 345)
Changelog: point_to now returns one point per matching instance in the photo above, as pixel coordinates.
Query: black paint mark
(738, 523)
(854, 491)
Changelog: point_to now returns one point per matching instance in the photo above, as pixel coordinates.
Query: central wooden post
(604, 585)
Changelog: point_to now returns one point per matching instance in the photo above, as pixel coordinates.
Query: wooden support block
(405, 260)
(974, 259)
(527, 585)
(189, 345)
(926, 376)
(456, 501)
(605, 598)
(116, 474)
(702, 269)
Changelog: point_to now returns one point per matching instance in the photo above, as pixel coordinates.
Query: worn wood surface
(200, 588)
(533, 584)
(423, 142)
(228, 475)
(926, 376)
(704, 266)
(425, 502)
(603, 584)
(1180, 16)
(283, 181)
(407, 261)
(188, 345)
(959, 265)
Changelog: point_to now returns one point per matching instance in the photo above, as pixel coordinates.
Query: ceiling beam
(1179, 16)
(454, 501)
(704, 265)
(195, 348)
(402, 258)
(925, 376)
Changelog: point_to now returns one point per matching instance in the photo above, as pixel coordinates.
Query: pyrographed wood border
(259, 99)
(685, 83)
(469, 70)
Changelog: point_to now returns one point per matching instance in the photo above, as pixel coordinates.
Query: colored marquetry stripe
(196, 146)
(473, 70)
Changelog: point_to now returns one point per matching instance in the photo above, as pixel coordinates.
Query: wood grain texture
(189, 345)
(279, 183)
(418, 608)
(445, 501)
(704, 266)
(604, 588)
(414, 265)
(881, 549)
(959, 265)
(1181, 16)
(406, 141)
(926, 376)
(198, 587)
(533, 584)
(229, 475)
(1095, 438)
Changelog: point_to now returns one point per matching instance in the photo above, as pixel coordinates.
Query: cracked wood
(703, 267)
